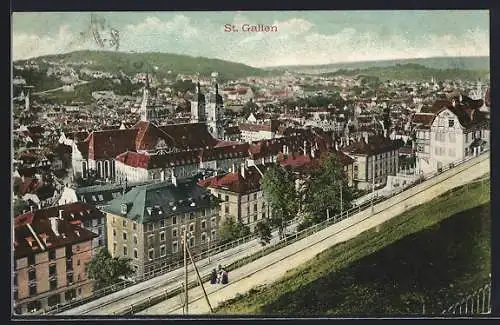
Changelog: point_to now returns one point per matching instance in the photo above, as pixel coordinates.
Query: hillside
(416, 72)
(467, 63)
(435, 253)
(131, 63)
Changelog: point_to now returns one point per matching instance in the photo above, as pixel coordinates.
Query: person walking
(213, 277)
(225, 278)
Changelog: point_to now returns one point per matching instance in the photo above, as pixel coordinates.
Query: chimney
(60, 214)
(174, 179)
(54, 222)
(243, 170)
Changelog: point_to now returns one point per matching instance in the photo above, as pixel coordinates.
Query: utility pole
(341, 205)
(373, 181)
(186, 301)
(199, 280)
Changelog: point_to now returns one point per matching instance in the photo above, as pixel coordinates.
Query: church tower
(147, 109)
(198, 106)
(214, 107)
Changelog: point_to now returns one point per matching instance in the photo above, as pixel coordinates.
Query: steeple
(27, 101)
(145, 104)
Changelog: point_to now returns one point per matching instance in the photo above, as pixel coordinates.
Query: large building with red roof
(449, 131)
(50, 253)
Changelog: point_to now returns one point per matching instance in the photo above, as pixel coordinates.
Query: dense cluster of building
(152, 182)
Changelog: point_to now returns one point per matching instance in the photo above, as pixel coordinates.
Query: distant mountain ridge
(463, 63)
(131, 63)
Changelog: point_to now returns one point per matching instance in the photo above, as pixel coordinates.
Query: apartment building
(375, 158)
(50, 254)
(240, 194)
(449, 131)
(148, 222)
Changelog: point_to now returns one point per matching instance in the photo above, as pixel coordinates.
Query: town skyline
(303, 38)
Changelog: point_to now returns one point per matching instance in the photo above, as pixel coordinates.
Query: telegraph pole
(200, 281)
(373, 181)
(186, 301)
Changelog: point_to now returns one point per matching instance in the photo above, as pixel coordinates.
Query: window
(174, 220)
(191, 227)
(33, 289)
(53, 284)
(203, 224)
(226, 208)
(191, 215)
(183, 230)
(99, 231)
(151, 239)
(175, 246)
(263, 205)
(134, 226)
(255, 196)
(136, 253)
(212, 235)
(203, 237)
(52, 270)
(77, 262)
(451, 123)
(151, 254)
(203, 212)
(124, 236)
(125, 251)
(452, 137)
(162, 236)
(52, 254)
(191, 241)
(227, 198)
(255, 218)
(174, 232)
(100, 242)
(219, 196)
(213, 222)
(114, 248)
(162, 223)
(263, 215)
(69, 278)
(255, 207)
(163, 251)
(114, 232)
(31, 275)
(135, 239)
(151, 226)
(124, 223)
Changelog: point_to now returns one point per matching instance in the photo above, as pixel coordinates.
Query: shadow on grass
(434, 266)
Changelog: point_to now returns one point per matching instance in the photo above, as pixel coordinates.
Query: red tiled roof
(190, 135)
(236, 183)
(423, 120)
(25, 242)
(110, 143)
(271, 126)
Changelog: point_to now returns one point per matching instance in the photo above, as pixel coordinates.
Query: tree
(263, 229)
(278, 186)
(322, 189)
(231, 230)
(107, 270)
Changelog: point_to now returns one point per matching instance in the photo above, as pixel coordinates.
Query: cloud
(296, 42)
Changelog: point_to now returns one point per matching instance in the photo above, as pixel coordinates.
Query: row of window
(175, 246)
(441, 137)
(441, 151)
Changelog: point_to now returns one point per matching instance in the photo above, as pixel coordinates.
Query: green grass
(436, 252)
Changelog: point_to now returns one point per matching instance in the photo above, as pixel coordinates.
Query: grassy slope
(385, 273)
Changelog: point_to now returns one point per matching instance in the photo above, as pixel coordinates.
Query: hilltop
(462, 63)
(131, 63)
(415, 72)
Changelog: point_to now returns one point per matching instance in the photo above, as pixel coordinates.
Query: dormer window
(123, 208)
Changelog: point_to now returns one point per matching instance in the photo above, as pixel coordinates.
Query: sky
(303, 37)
